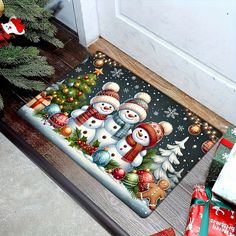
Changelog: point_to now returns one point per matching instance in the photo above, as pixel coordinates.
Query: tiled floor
(32, 204)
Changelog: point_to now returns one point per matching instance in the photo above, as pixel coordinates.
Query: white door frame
(86, 18)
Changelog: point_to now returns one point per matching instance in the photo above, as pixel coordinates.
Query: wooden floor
(174, 210)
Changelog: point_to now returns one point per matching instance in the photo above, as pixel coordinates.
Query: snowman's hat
(156, 131)
(138, 104)
(109, 94)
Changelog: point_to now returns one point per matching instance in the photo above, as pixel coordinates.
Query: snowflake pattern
(225, 156)
(136, 86)
(155, 113)
(133, 77)
(117, 73)
(171, 112)
(78, 69)
(126, 90)
(180, 128)
(233, 131)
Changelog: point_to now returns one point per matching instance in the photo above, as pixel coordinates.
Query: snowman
(14, 26)
(130, 150)
(121, 123)
(89, 118)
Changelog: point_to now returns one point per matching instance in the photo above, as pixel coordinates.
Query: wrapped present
(40, 101)
(209, 216)
(223, 185)
(221, 156)
(165, 232)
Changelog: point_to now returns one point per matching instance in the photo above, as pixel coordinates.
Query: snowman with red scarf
(89, 118)
(14, 26)
(130, 150)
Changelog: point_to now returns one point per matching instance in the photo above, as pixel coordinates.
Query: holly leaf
(96, 143)
(83, 139)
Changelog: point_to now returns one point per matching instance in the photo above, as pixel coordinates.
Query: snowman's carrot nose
(130, 115)
(140, 134)
(107, 108)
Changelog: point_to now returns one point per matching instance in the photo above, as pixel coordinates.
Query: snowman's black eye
(140, 130)
(145, 136)
(110, 107)
(102, 104)
(135, 115)
(127, 111)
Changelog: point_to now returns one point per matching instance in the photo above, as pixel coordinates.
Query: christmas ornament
(101, 157)
(70, 83)
(66, 131)
(130, 180)
(98, 71)
(207, 145)
(118, 173)
(76, 84)
(86, 77)
(1, 8)
(65, 90)
(14, 26)
(58, 120)
(52, 109)
(145, 178)
(79, 93)
(98, 63)
(194, 129)
(70, 99)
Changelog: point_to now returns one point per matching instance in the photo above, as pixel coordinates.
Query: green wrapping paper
(221, 155)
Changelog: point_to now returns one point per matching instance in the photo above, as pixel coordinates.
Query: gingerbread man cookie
(154, 192)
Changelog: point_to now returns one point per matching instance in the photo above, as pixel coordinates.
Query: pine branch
(1, 102)
(24, 83)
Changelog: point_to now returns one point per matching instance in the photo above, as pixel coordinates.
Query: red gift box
(165, 232)
(209, 216)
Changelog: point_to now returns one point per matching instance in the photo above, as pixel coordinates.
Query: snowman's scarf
(124, 127)
(90, 112)
(134, 151)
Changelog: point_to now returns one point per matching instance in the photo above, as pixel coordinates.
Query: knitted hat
(109, 94)
(153, 129)
(138, 104)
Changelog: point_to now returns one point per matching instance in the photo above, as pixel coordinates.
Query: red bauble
(118, 173)
(79, 93)
(145, 178)
(70, 99)
(86, 77)
(58, 120)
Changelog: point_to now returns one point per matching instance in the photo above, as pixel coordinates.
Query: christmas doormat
(135, 140)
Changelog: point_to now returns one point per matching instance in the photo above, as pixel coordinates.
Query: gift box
(209, 216)
(221, 155)
(223, 186)
(40, 101)
(165, 232)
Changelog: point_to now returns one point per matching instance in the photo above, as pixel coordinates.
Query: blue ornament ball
(52, 109)
(70, 84)
(101, 157)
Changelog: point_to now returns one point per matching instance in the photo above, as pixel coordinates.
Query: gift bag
(209, 216)
(221, 156)
(223, 186)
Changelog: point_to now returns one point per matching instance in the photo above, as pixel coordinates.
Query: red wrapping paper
(165, 232)
(222, 222)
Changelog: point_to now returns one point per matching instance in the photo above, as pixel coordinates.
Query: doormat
(131, 137)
